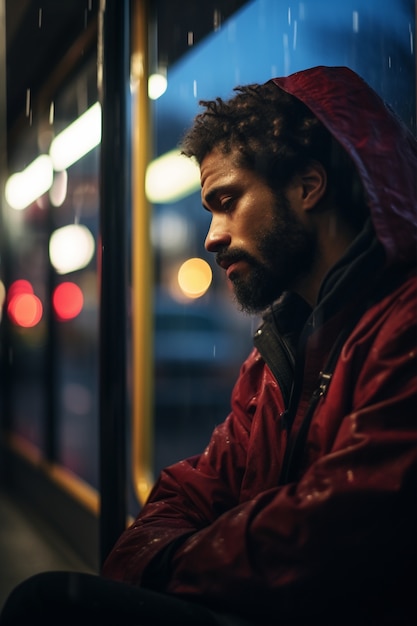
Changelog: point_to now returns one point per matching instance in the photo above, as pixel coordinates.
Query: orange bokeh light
(25, 309)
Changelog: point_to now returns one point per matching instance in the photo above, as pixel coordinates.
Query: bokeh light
(25, 309)
(71, 248)
(2, 297)
(17, 287)
(194, 277)
(67, 301)
(77, 139)
(23, 188)
(157, 85)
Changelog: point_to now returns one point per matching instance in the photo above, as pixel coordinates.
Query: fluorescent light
(171, 177)
(77, 139)
(23, 188)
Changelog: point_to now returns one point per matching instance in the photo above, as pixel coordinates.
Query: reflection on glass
(52, 301)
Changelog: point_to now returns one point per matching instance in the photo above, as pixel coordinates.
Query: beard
(284, 253)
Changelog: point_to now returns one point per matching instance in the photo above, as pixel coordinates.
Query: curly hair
(276, 135)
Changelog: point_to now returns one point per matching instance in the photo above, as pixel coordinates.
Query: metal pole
(142, 267)
(113, 71)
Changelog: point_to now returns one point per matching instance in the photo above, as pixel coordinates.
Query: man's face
(256, 233)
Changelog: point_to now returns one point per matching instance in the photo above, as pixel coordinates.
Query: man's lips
(224, 263)
(230, 266)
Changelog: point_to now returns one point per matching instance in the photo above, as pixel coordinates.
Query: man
(302, 508)
(305, 496)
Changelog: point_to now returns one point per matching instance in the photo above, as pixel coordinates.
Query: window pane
(50, 264)
(201, 342)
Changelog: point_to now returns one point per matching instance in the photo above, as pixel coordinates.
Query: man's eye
(226, 203)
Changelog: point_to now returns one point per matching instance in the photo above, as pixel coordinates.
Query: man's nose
(217, 236)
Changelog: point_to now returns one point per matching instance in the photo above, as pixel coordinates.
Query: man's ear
(314, 185)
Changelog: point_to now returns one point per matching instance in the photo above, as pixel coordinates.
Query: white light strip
(171, 177)
(23, 188)
(77, 139)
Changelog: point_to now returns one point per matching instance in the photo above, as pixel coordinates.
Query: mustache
(233, 256)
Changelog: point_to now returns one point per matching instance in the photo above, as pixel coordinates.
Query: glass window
(198, 50)
(51, 218)
(200, 338)
(75, 288)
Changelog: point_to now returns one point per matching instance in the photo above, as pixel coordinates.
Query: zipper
(295, 449)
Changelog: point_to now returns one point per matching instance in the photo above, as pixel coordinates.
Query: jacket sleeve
(188, 496)
(345, 528)
(348, 526)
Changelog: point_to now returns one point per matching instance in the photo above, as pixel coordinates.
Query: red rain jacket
(303, 510)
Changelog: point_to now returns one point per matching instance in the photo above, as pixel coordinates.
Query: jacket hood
(381, 146)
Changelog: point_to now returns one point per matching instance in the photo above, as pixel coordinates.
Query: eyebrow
(210, 195)
(215, 191)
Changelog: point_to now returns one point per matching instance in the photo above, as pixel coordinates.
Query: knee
(28, 598)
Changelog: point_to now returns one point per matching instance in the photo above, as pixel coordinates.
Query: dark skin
(299, 237)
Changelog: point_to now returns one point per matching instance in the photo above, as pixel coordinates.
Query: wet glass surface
(199, 343)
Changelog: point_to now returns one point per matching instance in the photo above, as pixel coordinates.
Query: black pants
(75, 599)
